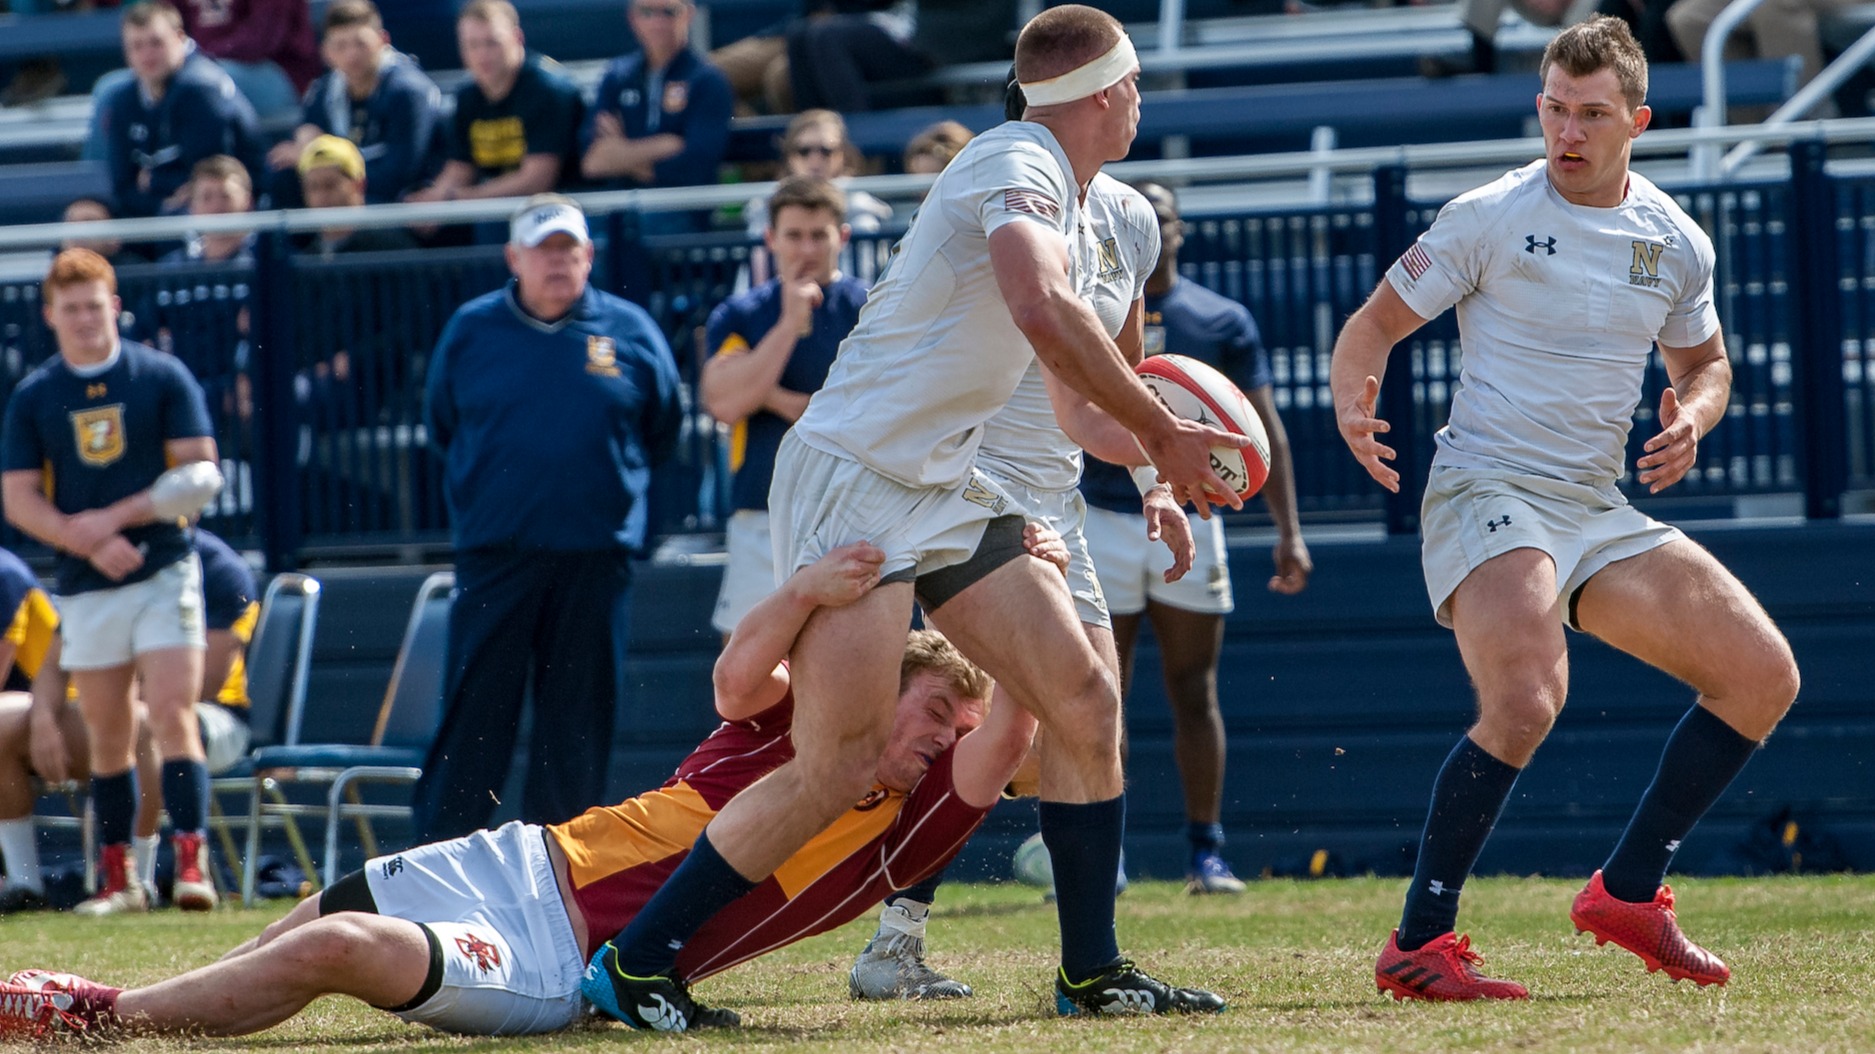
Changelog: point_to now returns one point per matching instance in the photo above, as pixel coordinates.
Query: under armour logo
(1673, 846)
(1495, 524)
(662, 1017)
(392, 866)
(1531, 245)
(1437, 888)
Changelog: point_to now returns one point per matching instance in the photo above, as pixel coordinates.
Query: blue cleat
(659, 1003)
(1210, 874)
(1123, 988)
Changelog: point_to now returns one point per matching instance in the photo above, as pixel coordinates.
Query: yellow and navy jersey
(229, 604)
(31, 621)
(619, 855)
(739, 324)
(100, 437)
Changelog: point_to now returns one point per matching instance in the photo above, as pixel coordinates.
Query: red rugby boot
(1442, 971)
(1649, 930)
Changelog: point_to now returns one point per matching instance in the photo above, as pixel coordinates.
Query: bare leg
(16, 773)
(1510, 635)
(380, 960)
(1189, 645)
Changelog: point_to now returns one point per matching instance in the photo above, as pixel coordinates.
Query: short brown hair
(490, 11)
(77, 267)
(344, 14)
(806, 192)
(926, 651)
(1601, 43)
(1062, 38)
(148, 12)
(942, 141)
(223, 167)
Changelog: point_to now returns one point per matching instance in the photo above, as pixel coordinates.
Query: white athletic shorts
(106, 628)
(1471, 515)
(1065, 511)
(225, 736)
(749, 574)
(511, 966)
(820, 501)
(1132, 567)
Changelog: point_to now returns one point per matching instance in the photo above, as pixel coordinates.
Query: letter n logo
(1646, 259)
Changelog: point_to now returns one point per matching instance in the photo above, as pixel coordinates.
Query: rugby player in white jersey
(885, 453)
(1029, 456)
(1565, 274)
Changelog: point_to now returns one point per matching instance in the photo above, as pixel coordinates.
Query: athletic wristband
(1145, 477)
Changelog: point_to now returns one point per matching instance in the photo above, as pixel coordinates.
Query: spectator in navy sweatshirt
(516, 126)
(265, 45)
(550, 403)
(179, 109)
(375, 96)
(661, 118)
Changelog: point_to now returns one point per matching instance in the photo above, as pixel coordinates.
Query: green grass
(1295, 961)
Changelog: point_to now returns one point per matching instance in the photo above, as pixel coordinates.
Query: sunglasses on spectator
(816, 149)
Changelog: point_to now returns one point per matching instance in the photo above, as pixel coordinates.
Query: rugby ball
(1198, 392)
(1031, 864)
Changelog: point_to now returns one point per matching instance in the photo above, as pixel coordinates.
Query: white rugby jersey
(1559, 306)
(935, 353)
(1112, 259)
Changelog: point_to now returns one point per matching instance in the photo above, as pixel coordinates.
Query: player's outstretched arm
(749, 675)
(1693, 406)
(1293, 564)
(1031, 265)
(1360, 361)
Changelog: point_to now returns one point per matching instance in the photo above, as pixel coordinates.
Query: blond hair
(926, 651)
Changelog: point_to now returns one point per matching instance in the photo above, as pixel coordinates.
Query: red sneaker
(85, 1006)
(27, 1011)
(1649, 930)
(1442, 971)
(195, 887)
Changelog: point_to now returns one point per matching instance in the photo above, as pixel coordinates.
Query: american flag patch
(1416, 262)
(1033, 202)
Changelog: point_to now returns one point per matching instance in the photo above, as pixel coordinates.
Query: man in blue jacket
(550, 403)
(178, 109)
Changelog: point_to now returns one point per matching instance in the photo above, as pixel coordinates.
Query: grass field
(1294, 959)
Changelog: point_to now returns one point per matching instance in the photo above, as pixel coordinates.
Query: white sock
(904, 916)
(143, 851)
(19, 843)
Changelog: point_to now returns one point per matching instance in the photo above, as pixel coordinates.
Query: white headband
(1085, 79)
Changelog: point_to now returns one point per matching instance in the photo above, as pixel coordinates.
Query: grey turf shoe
(892, 965)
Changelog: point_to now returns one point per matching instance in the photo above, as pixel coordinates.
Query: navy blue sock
(1469, 793)
(700, 887)
(185, 794)
(1084, 845)
(1204, 838)
(1701, 758)
(924, 892)
(114, 800)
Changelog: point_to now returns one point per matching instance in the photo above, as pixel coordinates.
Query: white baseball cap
(534, 223)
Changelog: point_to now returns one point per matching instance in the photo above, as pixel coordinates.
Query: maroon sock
(93, 1003)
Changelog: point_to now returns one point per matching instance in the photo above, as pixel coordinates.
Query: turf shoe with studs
(1443, 970)
(1649, 930)
(659, 1003)
(1123, 988)
(34, 1010)
(892, 965)
(1210, 874)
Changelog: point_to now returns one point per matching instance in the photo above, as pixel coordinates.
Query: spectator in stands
(110, 494)
(1480, 19)
(219, 186)
(551, 403)
(1776, 29)
(91, 210)
(815, 146)
(930, 150)
(333, 175)
(661, 118)
(770, 349)
(42, 732)
(757, 70)
(516, 126)
(179, 108)
(375, 96)
(265, 45)
(835, 57)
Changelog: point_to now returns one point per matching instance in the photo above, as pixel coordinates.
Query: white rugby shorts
(1471, 515)
(106, 628)
(749, 573)
(1064, 511)
(511, 965)
(1132, 567)
(820, 501)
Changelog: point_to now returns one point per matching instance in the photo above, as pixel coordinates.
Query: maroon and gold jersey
(618, 855)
